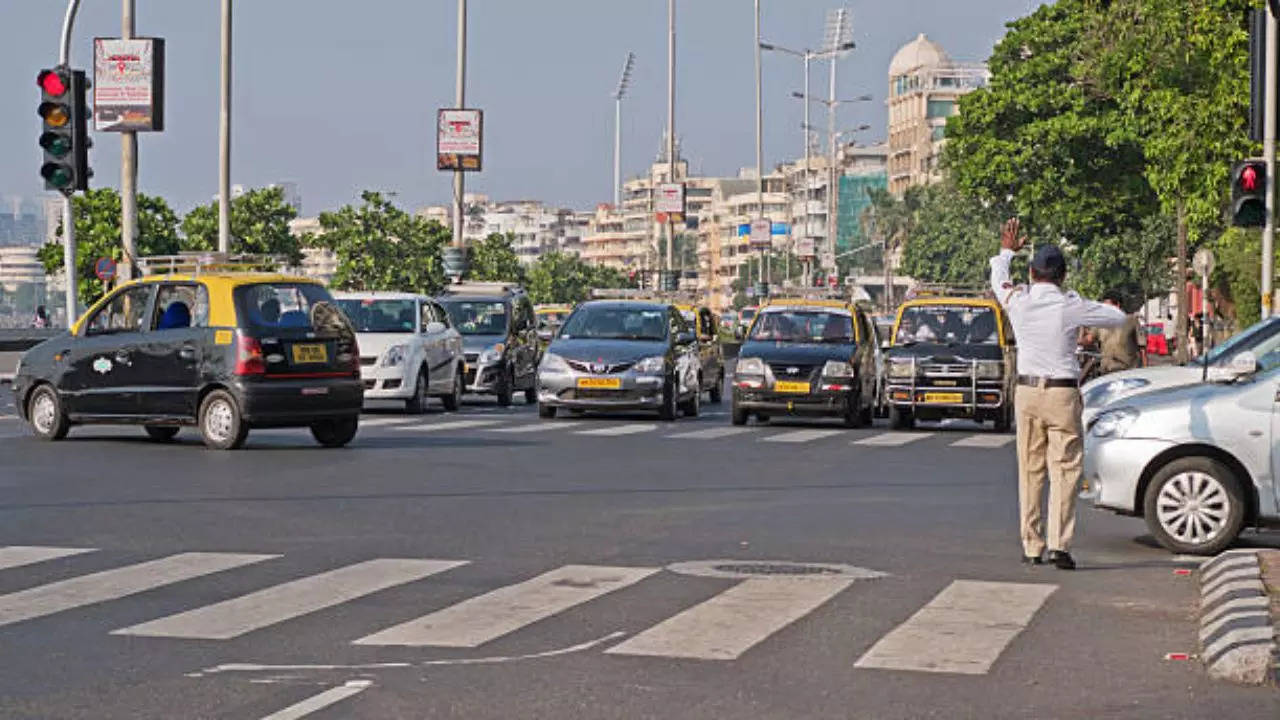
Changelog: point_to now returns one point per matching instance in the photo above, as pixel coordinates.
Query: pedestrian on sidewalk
(1046, 321)
(1123, 347)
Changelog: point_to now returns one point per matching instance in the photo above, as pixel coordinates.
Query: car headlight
(1108, 391)
(493, 354)
(651, 365)
(750, 366)
(837, 369)
(1113, 423)
(901, 368)
(395, 355)
(553, 364)
(990, 369)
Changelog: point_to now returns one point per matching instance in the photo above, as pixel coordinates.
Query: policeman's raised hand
(1011, 237)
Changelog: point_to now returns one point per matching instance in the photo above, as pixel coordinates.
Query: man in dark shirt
(1123, 347)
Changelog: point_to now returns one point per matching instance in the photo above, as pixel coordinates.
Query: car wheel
(161, 433)
(44, 411)
(738, 416)
(853, 415)
(418, 403)
(337, 432)
(1194, 505)
(693, 405)
(900, 419)
(531, 395)
(453, 400)
(546, 412)
(221, 426)
(717, 390)
(506, 388)
(668, 410)
(1004, 421)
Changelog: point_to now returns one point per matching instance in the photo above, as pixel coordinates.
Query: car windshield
(380, 316)
(272, 307)
(947, 324)
(477, 317)
(616, 323)
(1258, 334)
(804, 326)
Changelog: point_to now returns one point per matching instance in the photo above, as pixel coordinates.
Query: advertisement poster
(458, 139)
(670, 198)
(128, 84)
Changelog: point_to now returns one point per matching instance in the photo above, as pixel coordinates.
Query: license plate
(791, 387)
(315, 391)
(600, 383)
(310, 354)
(944, 397)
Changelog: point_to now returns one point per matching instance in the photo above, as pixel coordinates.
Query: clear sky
(339, 95)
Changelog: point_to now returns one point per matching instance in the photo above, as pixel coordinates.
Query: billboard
(458, 139)
(670, 198)
(128, 84)
(760, 232)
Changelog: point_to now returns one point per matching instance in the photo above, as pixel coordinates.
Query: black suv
(499, 338)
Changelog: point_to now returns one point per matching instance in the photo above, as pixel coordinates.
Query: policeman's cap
(1049, 261)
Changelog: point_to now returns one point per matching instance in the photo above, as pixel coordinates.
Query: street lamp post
(460, 101)
(759, 146)
(224, 135)
(623, 82)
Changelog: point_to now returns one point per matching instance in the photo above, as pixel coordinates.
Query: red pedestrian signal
(1249, 178)
(1248, 193)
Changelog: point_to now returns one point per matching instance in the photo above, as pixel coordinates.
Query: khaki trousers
(1048, 439)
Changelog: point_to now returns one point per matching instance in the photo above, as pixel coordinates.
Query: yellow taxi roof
(543, 309)
(808, 302)
(229, 279)
(970, 301)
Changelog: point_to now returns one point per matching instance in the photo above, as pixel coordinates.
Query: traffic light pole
(1269, 157)
(128, 168)
(68, 212)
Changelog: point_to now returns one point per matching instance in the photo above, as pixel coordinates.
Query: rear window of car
(273, 307)
(381, 316)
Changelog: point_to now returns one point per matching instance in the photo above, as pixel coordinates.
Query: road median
(1239, 612)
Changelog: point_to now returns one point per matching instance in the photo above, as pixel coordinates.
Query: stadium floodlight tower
(624, 81)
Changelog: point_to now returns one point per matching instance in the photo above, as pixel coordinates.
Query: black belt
(1048, 382)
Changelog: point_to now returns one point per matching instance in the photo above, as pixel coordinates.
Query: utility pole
(759, 145)
(460, 101)
(68, 209)
(671, 121)
(829, 241)
(1269, 156)
(808, 263)
(128, 168)
(224, 136)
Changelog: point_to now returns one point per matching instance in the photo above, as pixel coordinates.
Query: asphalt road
(486, 564)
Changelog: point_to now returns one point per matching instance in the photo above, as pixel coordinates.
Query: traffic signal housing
(64, 132)
(1249, 193)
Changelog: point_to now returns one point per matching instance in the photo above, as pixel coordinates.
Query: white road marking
(800, 436)
(732, 622)
(18, 555)
(454, 425)
(474, 622)
(711, 433)
(9, 417)
(985, 440)
(536, 427)
(629, 429)
(892, 439)
(114, 584)
(321, 701)
(962, 630)
(367, 422)
(237, 616)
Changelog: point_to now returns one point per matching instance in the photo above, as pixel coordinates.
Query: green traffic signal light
(55, 144)
(59, 176)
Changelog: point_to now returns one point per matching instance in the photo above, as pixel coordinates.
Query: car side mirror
(686, 338)
(433, 327)
(1244, 364)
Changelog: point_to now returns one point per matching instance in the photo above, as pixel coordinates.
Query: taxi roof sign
(195, 263)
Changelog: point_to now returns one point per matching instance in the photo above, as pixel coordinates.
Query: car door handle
(188, 352)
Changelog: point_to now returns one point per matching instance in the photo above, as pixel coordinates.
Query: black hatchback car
(807, 357)
(499, 338)
(225, 352)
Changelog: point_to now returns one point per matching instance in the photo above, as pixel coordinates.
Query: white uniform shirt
(1046, 321)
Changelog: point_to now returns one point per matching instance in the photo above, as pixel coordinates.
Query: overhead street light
(624, 81)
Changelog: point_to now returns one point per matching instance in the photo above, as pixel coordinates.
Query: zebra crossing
(963, 630)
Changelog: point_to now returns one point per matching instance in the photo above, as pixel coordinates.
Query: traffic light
(1248, 193)
(64, 133)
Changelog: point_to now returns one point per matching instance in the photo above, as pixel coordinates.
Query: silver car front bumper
(1114, 466)
(634, 391)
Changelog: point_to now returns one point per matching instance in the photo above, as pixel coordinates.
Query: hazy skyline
(340, 97)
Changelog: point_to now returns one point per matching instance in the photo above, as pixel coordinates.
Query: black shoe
(1032, 560)
(1061, 559)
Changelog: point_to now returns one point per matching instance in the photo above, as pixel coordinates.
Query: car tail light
(249, 359)
(354, 362)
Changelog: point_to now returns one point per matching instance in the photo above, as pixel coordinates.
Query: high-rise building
(924, 86)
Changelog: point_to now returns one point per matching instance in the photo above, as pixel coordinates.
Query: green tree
(1237, 269)
(1135, 262)
(953, 237)
(259, 225)
(381, 247)
(559, 277)
(97, 214)
(494, 258)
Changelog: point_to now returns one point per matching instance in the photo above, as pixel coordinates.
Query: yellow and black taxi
(225, 351)
(807, 357)
(710, 352)
(951, 356)
(550, 317)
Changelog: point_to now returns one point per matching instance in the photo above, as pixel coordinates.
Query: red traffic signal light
(1249, 178)
(53, 82)
(1248, 193)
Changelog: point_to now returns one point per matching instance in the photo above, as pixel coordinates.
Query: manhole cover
(749, 569)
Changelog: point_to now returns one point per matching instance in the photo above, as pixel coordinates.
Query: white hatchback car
(408, 349)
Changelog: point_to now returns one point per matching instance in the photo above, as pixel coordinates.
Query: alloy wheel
(218, 420)
(1193, 507)
(44, 413)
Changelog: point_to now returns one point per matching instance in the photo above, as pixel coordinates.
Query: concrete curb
(1238, 636)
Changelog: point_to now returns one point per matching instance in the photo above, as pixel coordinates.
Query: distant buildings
(924, 85)
(21, 222)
